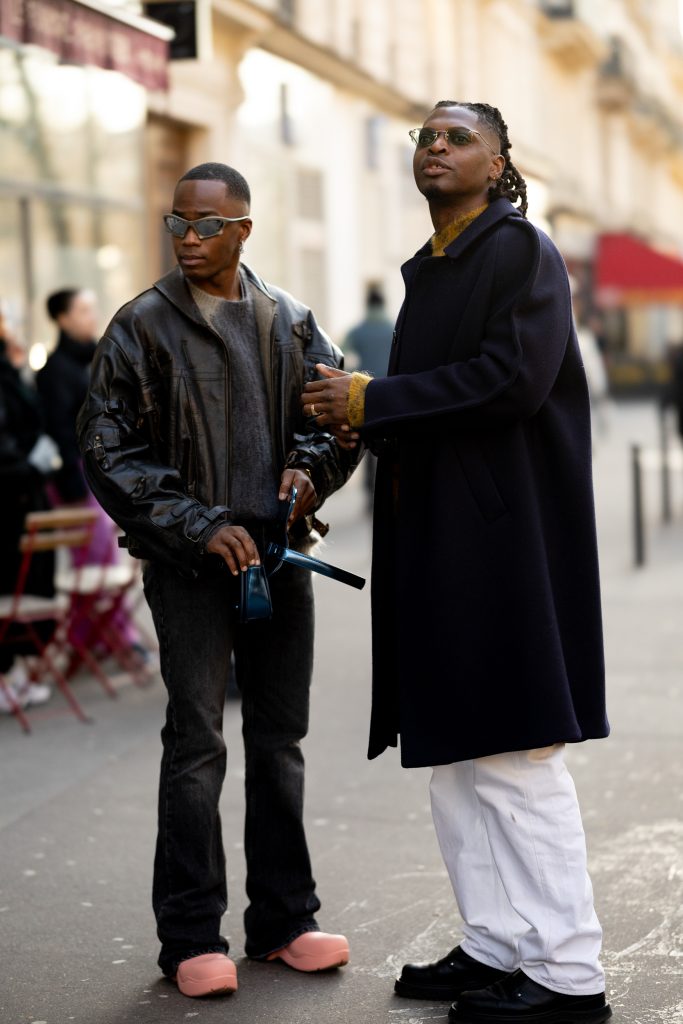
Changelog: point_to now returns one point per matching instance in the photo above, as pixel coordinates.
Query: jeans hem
(169, 964)
(312, 926)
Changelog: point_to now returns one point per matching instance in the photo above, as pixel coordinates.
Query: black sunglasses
(205, 227)
(424, 137)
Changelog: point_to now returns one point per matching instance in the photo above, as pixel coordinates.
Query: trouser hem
(568, 990)
(485, 962)
(169, 961)
(311, 926)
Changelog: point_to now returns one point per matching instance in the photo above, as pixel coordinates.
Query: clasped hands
(327, 401)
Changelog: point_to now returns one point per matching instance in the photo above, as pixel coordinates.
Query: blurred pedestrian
(487, 634)
(596, 373)
(192, 433)
(27, 457)
(370, 340)
(63, 383)
(63, 386)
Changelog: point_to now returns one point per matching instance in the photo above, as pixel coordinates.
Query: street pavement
(77, 807)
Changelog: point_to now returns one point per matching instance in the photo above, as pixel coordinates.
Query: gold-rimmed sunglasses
(458, 137)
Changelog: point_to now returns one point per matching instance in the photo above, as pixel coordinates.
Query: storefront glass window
(11, 276)
(71, 185)
(78, 128)
(84, 247)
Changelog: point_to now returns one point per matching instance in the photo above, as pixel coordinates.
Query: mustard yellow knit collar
(441, 239)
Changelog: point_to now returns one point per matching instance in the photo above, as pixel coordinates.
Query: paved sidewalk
(77, 818)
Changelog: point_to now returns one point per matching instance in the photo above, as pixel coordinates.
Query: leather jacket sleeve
(315, 450)
(118, 436)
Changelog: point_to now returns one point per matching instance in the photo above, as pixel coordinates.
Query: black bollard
(638, 517)
(665, 469)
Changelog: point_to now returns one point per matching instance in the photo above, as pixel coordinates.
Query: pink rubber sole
(207, 975)
(303, 955)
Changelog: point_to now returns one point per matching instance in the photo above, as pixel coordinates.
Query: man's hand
(235, 547)
(327, 402)
(306, 495)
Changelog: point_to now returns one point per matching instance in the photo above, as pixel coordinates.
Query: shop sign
(80, 34)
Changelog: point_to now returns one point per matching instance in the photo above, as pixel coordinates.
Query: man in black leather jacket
(191, 432)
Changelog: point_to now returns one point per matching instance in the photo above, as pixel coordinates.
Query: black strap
(315, 565)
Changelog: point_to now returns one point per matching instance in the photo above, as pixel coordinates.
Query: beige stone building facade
(313, 100)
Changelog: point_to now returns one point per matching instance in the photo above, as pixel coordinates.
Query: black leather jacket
(154, 429)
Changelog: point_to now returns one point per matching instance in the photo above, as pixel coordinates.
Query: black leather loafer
(447, 978)
(518, 998)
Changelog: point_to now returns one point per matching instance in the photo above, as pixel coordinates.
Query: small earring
(241, 247)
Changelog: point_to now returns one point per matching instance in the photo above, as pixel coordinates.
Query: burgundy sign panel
(80, 35)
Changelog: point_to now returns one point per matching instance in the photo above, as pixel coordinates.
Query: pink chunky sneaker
(206, 975)
(314, 951)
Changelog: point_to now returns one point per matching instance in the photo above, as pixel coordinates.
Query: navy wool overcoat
(487, 633)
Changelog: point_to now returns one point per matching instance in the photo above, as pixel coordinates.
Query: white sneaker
(23, 691)
(38, 693)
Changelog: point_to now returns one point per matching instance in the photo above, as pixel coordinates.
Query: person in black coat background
(63, 383)
(26, 459)
(487, 634)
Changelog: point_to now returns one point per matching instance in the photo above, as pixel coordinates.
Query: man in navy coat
(487, 634)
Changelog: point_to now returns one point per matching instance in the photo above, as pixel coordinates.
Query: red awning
(628, 272)
(88, 33)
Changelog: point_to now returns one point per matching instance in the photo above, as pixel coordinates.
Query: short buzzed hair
(236, 185)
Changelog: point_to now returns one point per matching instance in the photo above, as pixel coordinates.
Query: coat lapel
(496, 212)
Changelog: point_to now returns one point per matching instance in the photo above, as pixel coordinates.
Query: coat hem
(532, 744)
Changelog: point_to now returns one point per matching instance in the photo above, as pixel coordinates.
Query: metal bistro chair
(98, 594)
(45, 531)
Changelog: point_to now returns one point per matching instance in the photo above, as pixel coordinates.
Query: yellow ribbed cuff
(356, 402)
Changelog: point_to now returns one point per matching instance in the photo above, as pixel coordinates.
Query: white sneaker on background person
(24, 692)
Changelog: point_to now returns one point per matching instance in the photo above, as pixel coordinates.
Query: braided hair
(510, 185)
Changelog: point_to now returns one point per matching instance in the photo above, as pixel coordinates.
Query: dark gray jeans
(197, 628)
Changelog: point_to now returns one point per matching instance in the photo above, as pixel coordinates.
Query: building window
(310, 205)
(286, 11)
(286, 122)
(373, 141)
(356, 40)
(313, 275)
(559, 8)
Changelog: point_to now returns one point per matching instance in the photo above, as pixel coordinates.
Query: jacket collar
(496, 212)
(173, 287)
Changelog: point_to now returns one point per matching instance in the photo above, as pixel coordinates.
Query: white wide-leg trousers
(511, 836)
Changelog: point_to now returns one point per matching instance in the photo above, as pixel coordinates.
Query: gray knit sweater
(254, 481)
